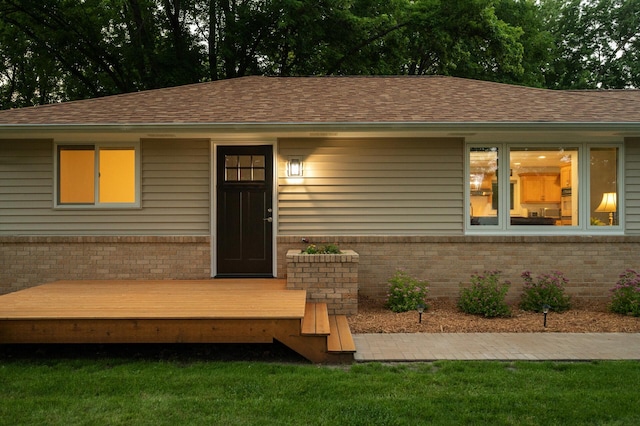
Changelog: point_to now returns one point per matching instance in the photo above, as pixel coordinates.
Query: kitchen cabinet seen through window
(541, 188)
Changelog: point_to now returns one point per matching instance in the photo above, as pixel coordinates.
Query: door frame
(213, 193)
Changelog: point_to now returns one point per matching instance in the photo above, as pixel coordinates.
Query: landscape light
(420, 309)
(545, 311)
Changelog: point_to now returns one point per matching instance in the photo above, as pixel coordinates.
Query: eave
(468, 130)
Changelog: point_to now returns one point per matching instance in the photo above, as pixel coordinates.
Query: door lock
(268, 219)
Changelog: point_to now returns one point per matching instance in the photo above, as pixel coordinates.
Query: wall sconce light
(608, 205)
(294, 167)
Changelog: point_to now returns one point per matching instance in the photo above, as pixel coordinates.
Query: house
(442, 177)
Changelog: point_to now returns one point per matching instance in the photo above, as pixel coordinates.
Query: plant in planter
(406, 293)
(547, 289)
(485, 296)
(625, 298)
(326, 249)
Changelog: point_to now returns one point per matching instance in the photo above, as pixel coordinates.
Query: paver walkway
(497, 346)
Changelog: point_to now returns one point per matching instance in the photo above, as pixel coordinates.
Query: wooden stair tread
(316, 319)
(340, 339)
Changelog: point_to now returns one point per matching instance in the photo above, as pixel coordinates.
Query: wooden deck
(206, 311)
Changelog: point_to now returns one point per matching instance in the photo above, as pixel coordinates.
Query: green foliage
(326, 249)
(537, 41)
(625, 296)
(596, 43)
(97, 47)
(57, 50)
(406, 293)
(485, 296)
(94, 48)
(549, 289)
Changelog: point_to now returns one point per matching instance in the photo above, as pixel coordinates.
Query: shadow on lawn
(178, 352)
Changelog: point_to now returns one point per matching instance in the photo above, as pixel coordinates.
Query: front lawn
(151, 392)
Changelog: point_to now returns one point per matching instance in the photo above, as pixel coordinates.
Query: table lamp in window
(608, 205)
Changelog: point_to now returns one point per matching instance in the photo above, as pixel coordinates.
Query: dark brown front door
(244, 211)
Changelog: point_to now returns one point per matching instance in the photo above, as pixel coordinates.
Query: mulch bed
(444, 317)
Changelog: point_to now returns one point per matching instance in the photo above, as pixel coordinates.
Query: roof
(298, 100)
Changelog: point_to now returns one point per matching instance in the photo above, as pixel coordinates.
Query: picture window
(539, 188)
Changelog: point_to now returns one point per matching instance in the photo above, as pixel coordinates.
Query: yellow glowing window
(81, 167)
(77, 184)
(117, 176)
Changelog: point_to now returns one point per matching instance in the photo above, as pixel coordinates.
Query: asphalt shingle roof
(389, 99)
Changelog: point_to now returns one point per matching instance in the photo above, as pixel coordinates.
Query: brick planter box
(328, 278)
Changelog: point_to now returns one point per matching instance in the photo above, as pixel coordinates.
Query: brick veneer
(327, 278)
(591, 263)
(29, 261)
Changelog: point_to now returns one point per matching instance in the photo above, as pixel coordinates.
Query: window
(603, 187)
(97, 175)
(244, 168)
(541, 188)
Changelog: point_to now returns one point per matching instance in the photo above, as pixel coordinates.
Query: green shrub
(406, 293)
(327, 249)
(547, 290)
(485, 296)
(625, 297)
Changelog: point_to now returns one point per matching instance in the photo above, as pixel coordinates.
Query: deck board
(170, 311)
(340, 339)
(170, 299)
(316, 319)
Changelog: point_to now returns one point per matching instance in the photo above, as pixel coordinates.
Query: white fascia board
(453, 129)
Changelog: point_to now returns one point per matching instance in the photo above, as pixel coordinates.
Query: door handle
(268, 219)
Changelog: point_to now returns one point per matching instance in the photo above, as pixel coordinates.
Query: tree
(463, 39)
(28, 77)
(55, 50)
(537, 41)
(99, 47)
(598, 43)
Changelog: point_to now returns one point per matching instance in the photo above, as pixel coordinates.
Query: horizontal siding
(175, 193)
(372, 187)
(632, 186)
(26, 186)
(176, 186)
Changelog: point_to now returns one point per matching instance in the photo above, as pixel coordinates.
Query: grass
(121, 391)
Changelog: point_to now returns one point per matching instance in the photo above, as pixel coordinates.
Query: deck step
(340, 340)
(316, 320)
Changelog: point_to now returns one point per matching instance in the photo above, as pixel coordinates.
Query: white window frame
(97, 147)
(584, 226)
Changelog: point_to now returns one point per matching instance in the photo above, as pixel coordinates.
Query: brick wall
(591, 263)
(29, 261)
(327, 278)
